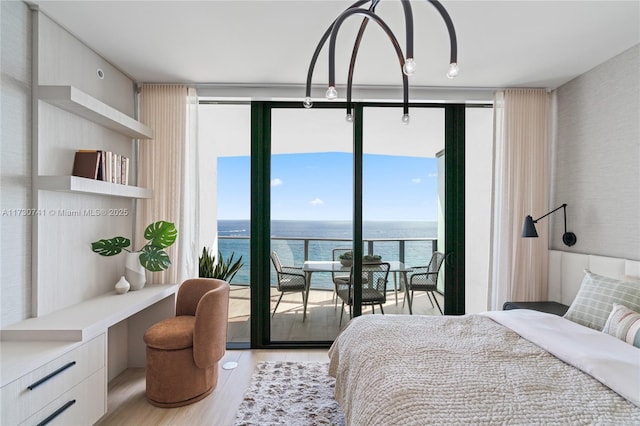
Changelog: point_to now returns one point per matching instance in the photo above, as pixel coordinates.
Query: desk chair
(183, 352)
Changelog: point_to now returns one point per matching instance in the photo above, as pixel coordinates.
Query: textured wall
(66, 270)
(15, 162)
(596, 165)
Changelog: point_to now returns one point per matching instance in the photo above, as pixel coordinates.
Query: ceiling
(266, 42)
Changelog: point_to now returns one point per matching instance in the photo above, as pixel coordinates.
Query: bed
(503, 367)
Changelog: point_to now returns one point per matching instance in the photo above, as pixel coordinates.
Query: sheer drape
(167, 164)
(520, 187)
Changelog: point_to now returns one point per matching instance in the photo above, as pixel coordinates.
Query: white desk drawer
(83, 405)
(33, 391)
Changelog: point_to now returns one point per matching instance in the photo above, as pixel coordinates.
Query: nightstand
(549, 307)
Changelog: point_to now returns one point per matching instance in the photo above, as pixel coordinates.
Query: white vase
(134, 272)
(122, 286)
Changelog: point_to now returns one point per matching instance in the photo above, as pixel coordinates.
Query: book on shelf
(114, 168)
(106, 166)
(124, 170)
(86, 164)
(102, 174)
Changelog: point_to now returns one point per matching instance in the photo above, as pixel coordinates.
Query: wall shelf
(77, 102)
(91, 186)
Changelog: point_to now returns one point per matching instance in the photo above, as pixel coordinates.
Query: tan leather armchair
(183, 351)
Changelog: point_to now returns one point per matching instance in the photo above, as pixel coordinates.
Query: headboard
(566, 271)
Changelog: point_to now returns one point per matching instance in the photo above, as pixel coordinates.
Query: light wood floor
(127, 404)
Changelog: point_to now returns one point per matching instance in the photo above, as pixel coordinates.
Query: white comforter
(612, 361)
(397, 369)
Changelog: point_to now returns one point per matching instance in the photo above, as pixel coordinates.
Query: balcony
(323, 311)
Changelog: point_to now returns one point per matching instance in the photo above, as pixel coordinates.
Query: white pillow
(624, 324)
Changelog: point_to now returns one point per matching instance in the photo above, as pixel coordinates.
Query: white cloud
(433, 175)
(416, 180)
(316, 202)
(276, 182)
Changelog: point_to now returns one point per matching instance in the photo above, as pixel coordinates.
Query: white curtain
(167, 164)
(518, 266)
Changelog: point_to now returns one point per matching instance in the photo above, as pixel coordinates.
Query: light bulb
(405, 119)
(409, 66)
(307, 102)
(331, 93)
(453, 70)
(349, 118)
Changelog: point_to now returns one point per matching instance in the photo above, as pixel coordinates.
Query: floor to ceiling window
(224, 137)
(290, 181)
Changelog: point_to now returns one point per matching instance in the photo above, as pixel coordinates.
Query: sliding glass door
(311, 185)
(322, 186)
(401, 196)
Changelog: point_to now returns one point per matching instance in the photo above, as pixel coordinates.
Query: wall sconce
(529, 228)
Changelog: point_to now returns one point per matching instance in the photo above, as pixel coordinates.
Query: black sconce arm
(529, 229)
(564, 206)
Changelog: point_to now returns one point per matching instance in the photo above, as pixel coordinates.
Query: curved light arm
(408, 25)
(352, 64)
(334, 33)
(409, 29)
(387, 30)
(452, 31)
(323, 40)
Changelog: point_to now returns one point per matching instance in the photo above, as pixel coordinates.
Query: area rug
(290, 393)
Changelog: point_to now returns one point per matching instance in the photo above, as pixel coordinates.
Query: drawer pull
(57, 412)
(49, 376)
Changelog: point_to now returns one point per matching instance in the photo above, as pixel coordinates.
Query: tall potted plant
(223, 270)
(151, 256)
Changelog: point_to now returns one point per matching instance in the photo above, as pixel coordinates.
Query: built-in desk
(71, 354)
(84, 320)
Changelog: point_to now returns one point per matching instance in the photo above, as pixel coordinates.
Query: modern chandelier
(406, 59)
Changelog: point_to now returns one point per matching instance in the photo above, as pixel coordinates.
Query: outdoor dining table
(311, 266)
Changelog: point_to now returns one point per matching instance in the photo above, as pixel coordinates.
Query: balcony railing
(294, 251)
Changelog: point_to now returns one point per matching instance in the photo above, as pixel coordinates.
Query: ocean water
(288, 239)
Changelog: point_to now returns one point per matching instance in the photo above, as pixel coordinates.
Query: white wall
(478, 175)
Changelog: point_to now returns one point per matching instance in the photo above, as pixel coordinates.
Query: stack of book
(101, 165)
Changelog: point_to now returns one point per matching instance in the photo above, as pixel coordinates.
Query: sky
(318, 186)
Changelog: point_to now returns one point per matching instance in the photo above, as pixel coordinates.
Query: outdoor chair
(290, 280)
(339, 278)
(425, 278)
(374, 288)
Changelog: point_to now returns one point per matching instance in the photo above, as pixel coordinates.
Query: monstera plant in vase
(151, 256)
